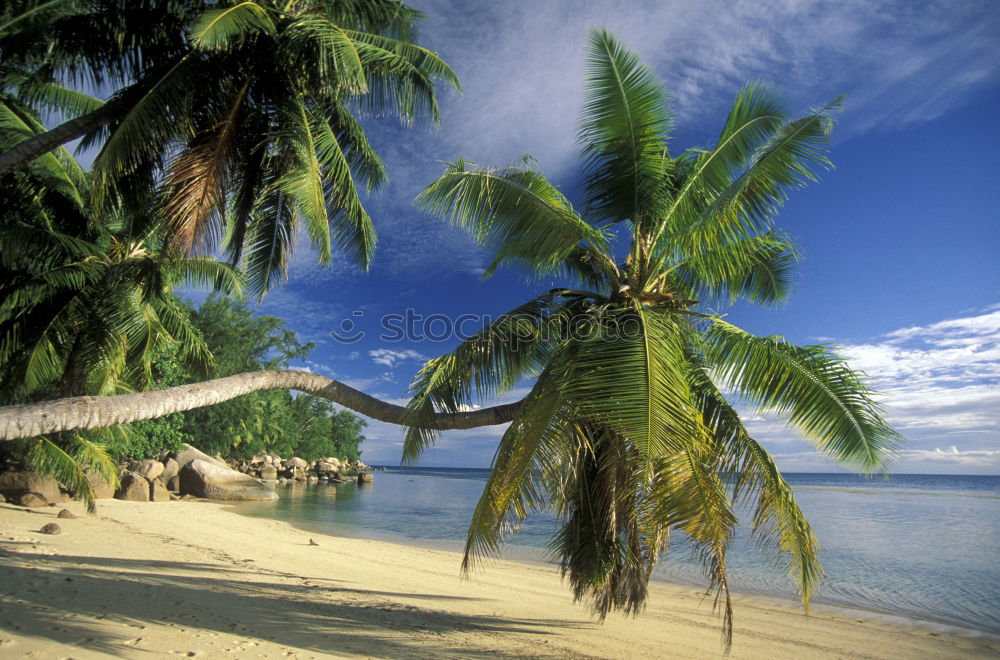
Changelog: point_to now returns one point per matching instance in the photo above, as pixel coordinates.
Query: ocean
(920, 546)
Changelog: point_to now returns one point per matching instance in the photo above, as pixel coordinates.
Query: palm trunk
(41, 144)
(95, 412)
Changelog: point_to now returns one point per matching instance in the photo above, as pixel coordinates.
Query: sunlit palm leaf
(229, 26)
(820, 395)
(623, 126)
(513, 211)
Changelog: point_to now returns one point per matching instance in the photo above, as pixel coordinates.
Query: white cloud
(390, 358)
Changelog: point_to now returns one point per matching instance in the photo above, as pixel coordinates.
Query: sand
(195, 579)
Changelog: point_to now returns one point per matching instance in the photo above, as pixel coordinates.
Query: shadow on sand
(64, 593)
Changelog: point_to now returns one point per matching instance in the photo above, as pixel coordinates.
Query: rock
(51, 528)
(295, 462)
(218, 482)
(189, 453)
(158, 492)
(188, 498)
(170, 470)
(2, 498)
(32, 500)
(365, 477)
(103, 489)
(312, 542)
(149, 469)
(269, 472)
(134, 488)
(174, 484)
(298, 474)
(323, 467)
(257, 460)
(66, 513)
(15, 483)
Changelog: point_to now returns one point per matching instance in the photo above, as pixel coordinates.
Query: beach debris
(313, 542)
(51, 528)
(66, 513)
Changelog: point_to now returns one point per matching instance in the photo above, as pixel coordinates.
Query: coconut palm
(251, 124)
(630, 428)
(85, 301)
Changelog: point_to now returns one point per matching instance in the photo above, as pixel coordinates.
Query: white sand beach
(193, 579)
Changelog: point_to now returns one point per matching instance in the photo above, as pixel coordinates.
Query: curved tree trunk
(43, 143)
(95, 412)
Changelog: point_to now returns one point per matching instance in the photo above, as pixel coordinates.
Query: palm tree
(85, 302)
(629, 430)
(250, 121)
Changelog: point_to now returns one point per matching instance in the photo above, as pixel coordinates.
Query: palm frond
(226, 27)
(515, 212)
(777, 522)
(747, 206)
(757, 269)
(271, 235)
(490, 363)
(629, 375)
(514, 485)
(623, 126)
(813, 386)
(196, 182)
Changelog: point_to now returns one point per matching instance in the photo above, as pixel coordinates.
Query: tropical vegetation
(228, 128)
(631, 428)
(241, 117)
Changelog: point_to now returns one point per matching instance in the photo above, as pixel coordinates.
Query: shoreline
(196, 579)
(530, 555)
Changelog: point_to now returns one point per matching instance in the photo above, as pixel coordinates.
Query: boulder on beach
(16, 483)
(211, 480)
(149, 469)
(158, 492)
(269, 472)
(66, 513)
(103, 489)
(51, 528)
(174, 484)
(189, 453)
(134, 488)
(170, 469)
(295, 462)
(32, 500)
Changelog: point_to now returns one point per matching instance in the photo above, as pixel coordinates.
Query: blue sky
(900, 241)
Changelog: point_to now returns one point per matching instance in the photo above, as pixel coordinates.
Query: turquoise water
(924, 546)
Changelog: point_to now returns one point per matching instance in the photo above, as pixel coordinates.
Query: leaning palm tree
(630, 428)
